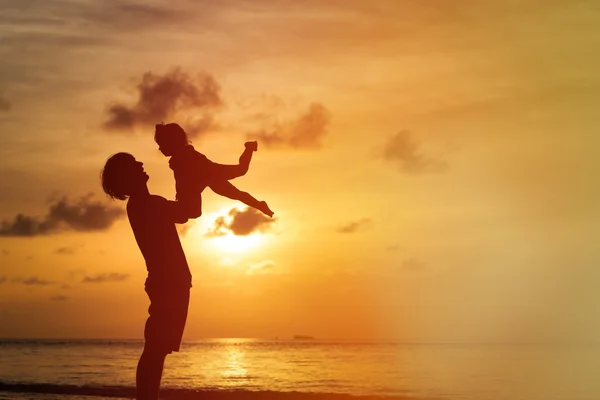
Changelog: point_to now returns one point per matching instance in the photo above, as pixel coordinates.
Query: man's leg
(150, 366)
(149, 373)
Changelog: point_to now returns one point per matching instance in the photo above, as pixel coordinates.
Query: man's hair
(113, 178)
(170, 132)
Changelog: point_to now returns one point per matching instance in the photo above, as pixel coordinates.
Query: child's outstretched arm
(226, 189)
(226, 172)
(231, 171)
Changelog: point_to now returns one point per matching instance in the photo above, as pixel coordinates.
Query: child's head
(170, 138)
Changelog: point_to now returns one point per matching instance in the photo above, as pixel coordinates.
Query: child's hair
(170, 132)
(114, 182)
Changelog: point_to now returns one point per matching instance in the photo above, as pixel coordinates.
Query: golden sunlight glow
(231, 243)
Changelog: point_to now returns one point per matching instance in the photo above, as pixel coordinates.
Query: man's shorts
(168, 312)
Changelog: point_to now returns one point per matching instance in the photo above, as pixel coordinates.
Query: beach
(69, 392)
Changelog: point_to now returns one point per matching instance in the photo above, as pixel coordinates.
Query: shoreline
(128, 392)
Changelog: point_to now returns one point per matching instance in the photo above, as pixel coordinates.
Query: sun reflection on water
(229, 366)
(234, 364)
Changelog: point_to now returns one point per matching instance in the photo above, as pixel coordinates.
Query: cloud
(75, 273)
(305, 132)
(84, 215)
(354, 226)
(412, 264)
(107, 16)
(127, 15)
(65, 250)
(34, 281)
(241, 223)
(4, 252)
(3, 279)
(195, 127)
(51, 30)
(261, 268)
(5, 104)
(262, 101)
(404, 151)
(54, 40)
(59, 298)
(394, 247)
(183, 229)
(110, 277)
(160, 98)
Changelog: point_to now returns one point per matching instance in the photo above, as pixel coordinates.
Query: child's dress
(192, 172)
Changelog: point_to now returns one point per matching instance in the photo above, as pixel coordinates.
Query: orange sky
(432, 165)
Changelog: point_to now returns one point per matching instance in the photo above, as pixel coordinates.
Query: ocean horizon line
(304, 340)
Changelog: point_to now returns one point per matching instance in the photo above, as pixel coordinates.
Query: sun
(231, 243)
(218, 238)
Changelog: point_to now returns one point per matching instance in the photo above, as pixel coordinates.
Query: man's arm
(208, 171)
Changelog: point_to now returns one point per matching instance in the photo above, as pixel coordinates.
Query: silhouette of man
(152, 219)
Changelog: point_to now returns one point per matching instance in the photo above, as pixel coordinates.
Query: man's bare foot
(265, 209)
(252, 145)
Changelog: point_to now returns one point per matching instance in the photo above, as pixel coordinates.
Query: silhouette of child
(194, 171)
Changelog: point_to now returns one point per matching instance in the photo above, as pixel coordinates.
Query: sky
(432, 166)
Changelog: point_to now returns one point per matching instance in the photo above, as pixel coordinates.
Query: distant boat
(303, 337)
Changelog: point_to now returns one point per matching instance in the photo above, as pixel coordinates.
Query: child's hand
(252, 145)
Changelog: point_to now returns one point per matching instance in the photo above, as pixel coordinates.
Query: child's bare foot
(265, 209)
(252, 145)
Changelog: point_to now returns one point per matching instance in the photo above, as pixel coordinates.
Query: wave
(180, 393)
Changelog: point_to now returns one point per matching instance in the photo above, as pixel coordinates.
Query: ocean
(248, 369)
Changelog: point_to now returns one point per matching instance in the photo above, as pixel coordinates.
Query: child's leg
(226, 189)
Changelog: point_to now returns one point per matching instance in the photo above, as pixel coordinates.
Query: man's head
(170, 138)
(123, 176)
